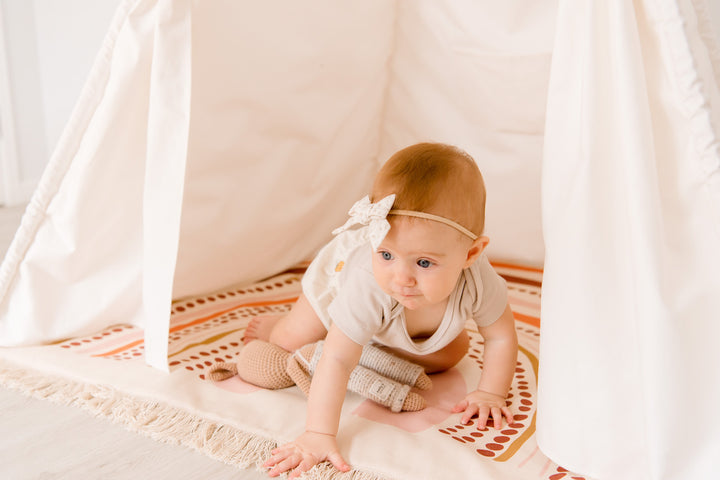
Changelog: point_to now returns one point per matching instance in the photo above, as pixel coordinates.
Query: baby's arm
(327, 392)
(501, 346)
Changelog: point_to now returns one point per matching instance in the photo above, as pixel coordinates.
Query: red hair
(434, 178)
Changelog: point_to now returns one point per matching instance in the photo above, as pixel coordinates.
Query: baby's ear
(478, 246)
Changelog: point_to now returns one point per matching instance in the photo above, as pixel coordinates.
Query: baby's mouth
(407, 295)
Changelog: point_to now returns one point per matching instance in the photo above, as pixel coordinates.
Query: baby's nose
(404, 277)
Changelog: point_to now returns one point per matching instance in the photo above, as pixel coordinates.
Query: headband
(374, 216)
(435, 218)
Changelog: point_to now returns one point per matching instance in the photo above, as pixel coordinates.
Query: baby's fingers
(470, 411)
(284, 465)
(508, 415)
(339, 462)
(272, 461)
(497, 415)
(277, 455)
(483, 415)
(304, 466)
(460, 406)
(283, 459)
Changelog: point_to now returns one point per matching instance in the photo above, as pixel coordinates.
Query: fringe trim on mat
(160, 421)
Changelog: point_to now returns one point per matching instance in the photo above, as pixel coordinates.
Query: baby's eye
(386, 255)
(424, 263)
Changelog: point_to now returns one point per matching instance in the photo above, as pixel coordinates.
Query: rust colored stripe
(516, 267)
(201, 320)
(524, 281)
(120, 349)
(530, 431)
(207, 341)
(534, 321)
(227, 310)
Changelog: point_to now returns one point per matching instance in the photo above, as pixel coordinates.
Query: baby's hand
(485, 405)
(305, 452)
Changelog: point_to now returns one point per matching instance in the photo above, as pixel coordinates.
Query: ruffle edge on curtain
(697, 96)
(709, 35)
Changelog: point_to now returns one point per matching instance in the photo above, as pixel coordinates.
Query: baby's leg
(441, 360)
(299, 327)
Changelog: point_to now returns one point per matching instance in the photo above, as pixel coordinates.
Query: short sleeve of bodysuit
(360, 307)
(493, 298)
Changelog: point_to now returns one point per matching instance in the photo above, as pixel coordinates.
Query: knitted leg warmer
(264, 364)
(366, 382)
(394, 367)
(268, 366)
(221, 371)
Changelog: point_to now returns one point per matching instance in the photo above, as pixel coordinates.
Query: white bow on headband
(373, 215)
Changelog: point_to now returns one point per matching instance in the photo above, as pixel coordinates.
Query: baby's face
(419, 261)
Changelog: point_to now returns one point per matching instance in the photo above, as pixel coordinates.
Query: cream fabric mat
(239, 424)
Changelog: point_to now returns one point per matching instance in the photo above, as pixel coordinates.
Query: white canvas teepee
(220, 142)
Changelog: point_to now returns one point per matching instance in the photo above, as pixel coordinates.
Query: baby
(405, 272)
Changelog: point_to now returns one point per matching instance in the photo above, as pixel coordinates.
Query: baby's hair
(434, 178)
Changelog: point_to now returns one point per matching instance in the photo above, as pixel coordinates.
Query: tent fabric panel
(475, 74)
(284, 133)
(631, 232)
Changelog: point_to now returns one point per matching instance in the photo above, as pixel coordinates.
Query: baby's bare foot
(260, 327)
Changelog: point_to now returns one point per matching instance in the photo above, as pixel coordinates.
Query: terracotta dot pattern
(203, 330)
(525, 290)
(494, 444)
(561, 472)
(491, 443)
(125, 334)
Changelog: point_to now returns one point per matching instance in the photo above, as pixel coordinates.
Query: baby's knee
(461, 342)
(456, 350)
(284, 337)
(295, 331)
(448, 356)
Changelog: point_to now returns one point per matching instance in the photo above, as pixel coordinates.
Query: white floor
(41, 440)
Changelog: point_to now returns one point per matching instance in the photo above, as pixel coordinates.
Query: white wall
(50, 46)
(715, 12)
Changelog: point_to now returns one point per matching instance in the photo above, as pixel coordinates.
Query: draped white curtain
(629, 364)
